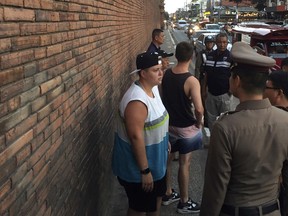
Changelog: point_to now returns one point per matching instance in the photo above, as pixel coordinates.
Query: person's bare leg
(157, 212)
(168, 174)
(183, 175)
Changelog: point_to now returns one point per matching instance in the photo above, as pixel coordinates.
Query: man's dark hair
(184, 51)
(252, 82)
(279, 80)
(222, 34)
(156, 32)
(284, 62)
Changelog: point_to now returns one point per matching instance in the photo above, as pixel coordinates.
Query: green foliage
(166, 15)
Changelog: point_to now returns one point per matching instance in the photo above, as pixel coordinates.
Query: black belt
(250, 211)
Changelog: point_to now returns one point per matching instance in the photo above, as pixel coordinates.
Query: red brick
(12, 149)
(1, 14)
(12, 2)
(56, 71)
(38, 153)
(32, 3)
(16, 58)
(19, 174)
(46, 4)
(5, 188)
(36, 142)
(30, 95)
(61, 6)
(11, 90)
(37, 179)
(30, 69)
(18, 14)
(45, 40)
(54, 147)
(11, 75)
(7, 201)
(2, 142)
(13, 103)
(40, 53)
(12, 196)
(41, 126)
(42, 209)
(49, 85)
(33, 28)
(38, 104)
(52, 127)
(55, 93)
(54, 49)
(5, 44)
(42, 16)
(39, 165)
(25, 42)
(23, 155)
(9, 29)
(28, 208)
(47, 63)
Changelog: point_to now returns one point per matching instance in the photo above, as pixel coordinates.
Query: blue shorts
(142, 201)
(185, 139)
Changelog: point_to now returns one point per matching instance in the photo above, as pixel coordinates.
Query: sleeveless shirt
(178, 105)
(155, 133)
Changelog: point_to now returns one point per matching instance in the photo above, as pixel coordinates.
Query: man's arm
(217, 172)
(135, 116)
(192, 86)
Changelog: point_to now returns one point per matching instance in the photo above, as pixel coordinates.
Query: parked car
(200, 45)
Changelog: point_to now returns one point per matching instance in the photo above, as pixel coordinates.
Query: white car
(181, 24)
(212, 27)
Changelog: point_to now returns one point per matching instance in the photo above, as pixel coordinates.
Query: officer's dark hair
(156, 32)
(252, 82)
(184, 51)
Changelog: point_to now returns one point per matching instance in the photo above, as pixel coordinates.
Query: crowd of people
(244, 105)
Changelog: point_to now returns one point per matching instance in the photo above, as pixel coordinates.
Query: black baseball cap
(147, 60)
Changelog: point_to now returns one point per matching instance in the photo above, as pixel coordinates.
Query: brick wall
(64, 65)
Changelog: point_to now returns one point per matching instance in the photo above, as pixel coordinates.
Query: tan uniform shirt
(246, 153)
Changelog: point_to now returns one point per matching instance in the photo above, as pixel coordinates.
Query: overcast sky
(172, 5)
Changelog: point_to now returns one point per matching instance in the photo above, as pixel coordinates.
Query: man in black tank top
(277, 92)
(179, 91)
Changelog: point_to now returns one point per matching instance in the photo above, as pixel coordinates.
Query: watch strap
(145, 171)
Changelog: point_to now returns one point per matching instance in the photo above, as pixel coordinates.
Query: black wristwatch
(145, 171)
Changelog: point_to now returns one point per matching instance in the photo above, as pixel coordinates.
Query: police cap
(245, 56)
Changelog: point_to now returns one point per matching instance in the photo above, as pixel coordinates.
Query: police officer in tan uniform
(247, 146)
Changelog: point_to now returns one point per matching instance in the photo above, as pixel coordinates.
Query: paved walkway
(119, 199)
